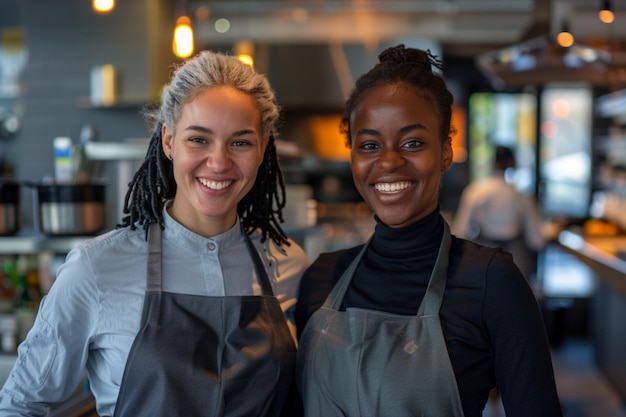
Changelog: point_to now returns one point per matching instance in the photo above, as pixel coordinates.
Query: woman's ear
(447, 155)
(167, 138)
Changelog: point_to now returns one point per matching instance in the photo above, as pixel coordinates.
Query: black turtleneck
(394, 271)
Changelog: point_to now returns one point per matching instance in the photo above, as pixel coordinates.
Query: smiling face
(397, 153)
(216, 153)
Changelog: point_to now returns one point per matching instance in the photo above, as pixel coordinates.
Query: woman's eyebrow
(416, 126)
(367, 131)
(209, 131)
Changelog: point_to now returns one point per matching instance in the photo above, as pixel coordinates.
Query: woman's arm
(521, 352)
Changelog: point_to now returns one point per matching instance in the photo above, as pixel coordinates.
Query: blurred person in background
(493, 212)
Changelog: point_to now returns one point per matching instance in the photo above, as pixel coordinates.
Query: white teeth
(392, 188)
(215, 185)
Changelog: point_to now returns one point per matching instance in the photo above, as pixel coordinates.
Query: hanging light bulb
(565, 38)
(183, 38)
(244, 50)
(103, 6)
(246, 59)
(605, 13)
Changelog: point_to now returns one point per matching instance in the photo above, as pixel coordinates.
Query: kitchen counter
(606, 255)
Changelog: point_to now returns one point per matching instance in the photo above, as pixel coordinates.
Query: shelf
(116, 151)
(86, 103)
(28, 244)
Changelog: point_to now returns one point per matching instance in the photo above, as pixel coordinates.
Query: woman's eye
(412, 144)
(197, 139)
(241, 142)
(369, 146)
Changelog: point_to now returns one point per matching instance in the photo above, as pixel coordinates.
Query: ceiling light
(182, 44)
(244, 50)
(565, 37)
(222, 25)
(103, 6)
(605, 13)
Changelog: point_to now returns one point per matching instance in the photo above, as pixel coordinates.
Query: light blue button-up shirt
(90, 317)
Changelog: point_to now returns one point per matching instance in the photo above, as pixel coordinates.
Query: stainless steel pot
(10, 209)
(71, 209)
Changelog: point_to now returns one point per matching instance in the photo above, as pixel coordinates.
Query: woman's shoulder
(473, 259)
(114, 238)
(491, 271)
(101, 264)
(469, 250)
(123, 240)
(101, 256)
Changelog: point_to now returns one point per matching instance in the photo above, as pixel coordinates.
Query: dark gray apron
(207, 356)
(365, 363)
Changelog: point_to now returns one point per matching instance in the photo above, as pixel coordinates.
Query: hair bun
(401, 55)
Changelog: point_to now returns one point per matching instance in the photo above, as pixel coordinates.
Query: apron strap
(153, 283)
(264, 280)
(431, 304)
(336, 295)
(154, 280)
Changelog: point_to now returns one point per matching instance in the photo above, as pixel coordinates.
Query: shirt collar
(181, 236)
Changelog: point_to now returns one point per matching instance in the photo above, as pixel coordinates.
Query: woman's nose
(219, 159)
(390, 159)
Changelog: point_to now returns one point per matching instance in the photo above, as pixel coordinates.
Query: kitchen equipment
(70, 209)
(10, 211)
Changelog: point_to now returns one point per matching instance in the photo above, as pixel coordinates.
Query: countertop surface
(606, 255)
(610, 250)
(32, 242)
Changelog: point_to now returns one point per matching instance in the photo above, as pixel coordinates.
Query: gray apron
(207, 356)
(365, 363)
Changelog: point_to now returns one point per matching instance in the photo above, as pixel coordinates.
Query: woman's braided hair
(410, 66)
(154, 183)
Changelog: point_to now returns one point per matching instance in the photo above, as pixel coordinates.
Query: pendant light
(244, 50)
(182, 44)
(605, 13)
(103, 6)
(565, 37)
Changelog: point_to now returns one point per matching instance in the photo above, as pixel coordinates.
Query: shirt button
(211, 246)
